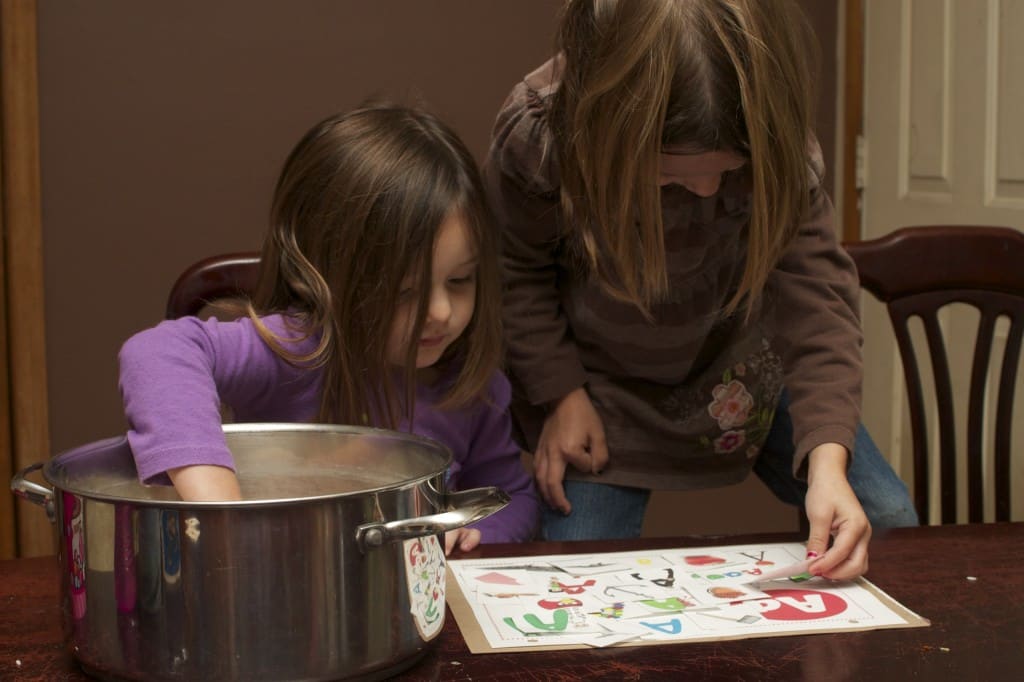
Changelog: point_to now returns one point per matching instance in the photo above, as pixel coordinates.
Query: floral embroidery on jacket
(729, 411)
(730, 440)
(744, 414)
(732, 404)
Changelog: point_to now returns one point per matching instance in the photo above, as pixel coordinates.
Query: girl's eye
(461, 281)
(406, 294)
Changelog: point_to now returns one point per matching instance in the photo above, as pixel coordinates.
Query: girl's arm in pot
(200, 483)
(174, 378)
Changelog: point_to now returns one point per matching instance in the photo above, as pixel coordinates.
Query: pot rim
(50, 468)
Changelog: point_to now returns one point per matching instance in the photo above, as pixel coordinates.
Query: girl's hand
(833, 509)
(572, 434)
(205, 483)
(465, 538)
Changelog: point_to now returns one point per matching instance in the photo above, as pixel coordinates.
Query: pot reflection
(197, 594)
(74, 553)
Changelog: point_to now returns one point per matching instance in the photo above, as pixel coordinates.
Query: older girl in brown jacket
(678, 310)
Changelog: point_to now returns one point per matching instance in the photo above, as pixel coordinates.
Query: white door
(944, 144)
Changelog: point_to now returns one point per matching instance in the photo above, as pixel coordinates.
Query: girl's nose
(440, 306)
(704, 186)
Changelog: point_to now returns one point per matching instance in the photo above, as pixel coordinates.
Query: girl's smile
(431, 342)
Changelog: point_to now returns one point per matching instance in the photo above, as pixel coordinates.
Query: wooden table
(977, 630)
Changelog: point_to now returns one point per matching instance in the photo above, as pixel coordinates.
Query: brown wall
(163, 126)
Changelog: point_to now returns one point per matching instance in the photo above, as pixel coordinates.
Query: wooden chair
(225, 276)
(916, 271)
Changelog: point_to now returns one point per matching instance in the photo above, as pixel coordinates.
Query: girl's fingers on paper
(851, 564)
(833, 510)
(848, 556)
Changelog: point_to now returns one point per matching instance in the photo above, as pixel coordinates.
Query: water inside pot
(273, 462)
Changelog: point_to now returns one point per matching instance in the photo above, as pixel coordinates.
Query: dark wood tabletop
(968, 580)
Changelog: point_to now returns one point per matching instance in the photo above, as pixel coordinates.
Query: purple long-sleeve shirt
(175, 377)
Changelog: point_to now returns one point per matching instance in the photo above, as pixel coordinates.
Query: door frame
(851, 124)
(24, 423)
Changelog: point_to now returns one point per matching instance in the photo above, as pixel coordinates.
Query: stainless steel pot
(331, 567)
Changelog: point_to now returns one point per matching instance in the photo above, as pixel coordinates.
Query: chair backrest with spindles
(916, 271)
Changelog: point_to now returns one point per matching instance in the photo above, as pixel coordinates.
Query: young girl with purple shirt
(377, 304)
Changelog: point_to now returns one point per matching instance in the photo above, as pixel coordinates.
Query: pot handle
(33, 492)
(464, 507)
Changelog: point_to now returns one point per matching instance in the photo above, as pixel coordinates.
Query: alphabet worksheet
(658, 596)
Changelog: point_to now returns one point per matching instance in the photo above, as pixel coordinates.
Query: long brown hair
(357, 209)
(707, 75)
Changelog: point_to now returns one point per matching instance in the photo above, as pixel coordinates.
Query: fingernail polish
(812, 555)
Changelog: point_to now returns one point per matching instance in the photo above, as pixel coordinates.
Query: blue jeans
(601, 511)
